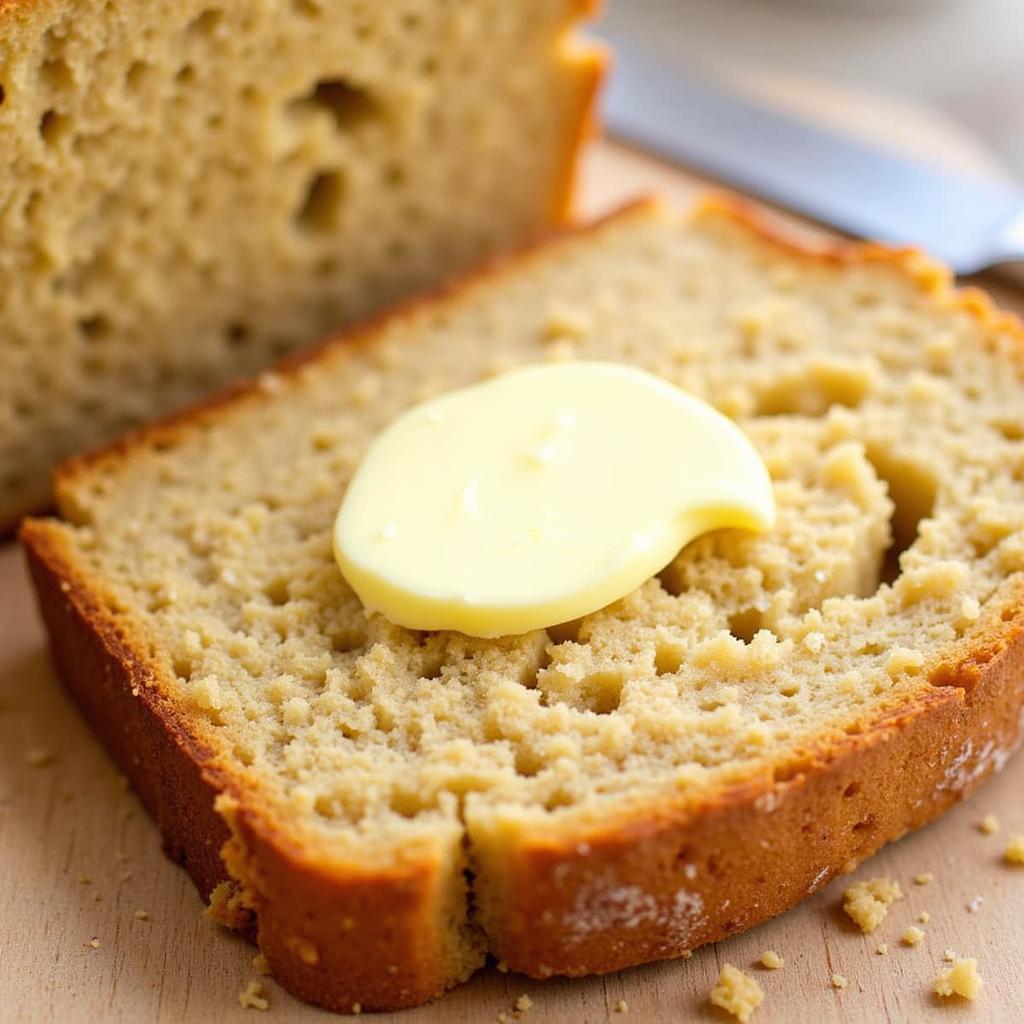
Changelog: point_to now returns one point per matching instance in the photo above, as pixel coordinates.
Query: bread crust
(644, 886)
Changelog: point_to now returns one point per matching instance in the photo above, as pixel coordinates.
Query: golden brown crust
(305, 913)
(671, 880)
(648, 886)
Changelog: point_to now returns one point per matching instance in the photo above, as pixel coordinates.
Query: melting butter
(539, 496)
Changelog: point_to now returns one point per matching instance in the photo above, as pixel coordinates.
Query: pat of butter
(540, 495)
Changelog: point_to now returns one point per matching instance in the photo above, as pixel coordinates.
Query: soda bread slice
(189, 188)
(674, 768)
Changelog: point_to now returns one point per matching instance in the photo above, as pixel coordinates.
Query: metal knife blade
(839, 181)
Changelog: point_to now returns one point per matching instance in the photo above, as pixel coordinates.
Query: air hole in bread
(186, 75)
(205, 25)
(813, 389)
(3, 95)
(349, 106)
(322, 203)
(851, 790)
(913, 489)
(53, 127)
(745, 623)
(237, 333)
(668, 657)
(94, 328)
(1011, 428)
(276, 591)
(600, 692)
(138, 76)
(527, 763)
(56, 74)
(565, 632)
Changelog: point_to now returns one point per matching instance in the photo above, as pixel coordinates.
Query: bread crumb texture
(190, 189)
(838, 981)
(899, 482)
(1014, 853)
(252, 998)
(737, 993)
(771, 960)
(960, 979)
(912, 936)
(867, 903)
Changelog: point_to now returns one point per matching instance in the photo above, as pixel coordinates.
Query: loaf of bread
(190, 189)
(674, 768)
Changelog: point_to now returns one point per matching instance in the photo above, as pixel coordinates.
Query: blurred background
(950, 68)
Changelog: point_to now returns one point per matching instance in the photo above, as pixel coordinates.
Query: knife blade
(863, 191)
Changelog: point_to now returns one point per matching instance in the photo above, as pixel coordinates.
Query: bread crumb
(1014, 852)
(882, 948)
(94, 942)
(523, 1003)
(912, 936)
(357, 1008)
(84, 880)
(924, 917)
(737, 993)
(772, 960)
(975, 905)
(867, 903)
(962, 979)
(923, 878)
(252, 998)
(622, 1006)
(839, 981)
(260, 965)
(948, 955)
(502, 1017)
(39, 758)
(989, 825)
(142, 915)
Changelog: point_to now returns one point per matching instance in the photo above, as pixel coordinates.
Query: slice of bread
(672, 769)
(189, 189)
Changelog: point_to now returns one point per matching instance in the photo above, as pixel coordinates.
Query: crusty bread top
(885, 403)
(189, 189)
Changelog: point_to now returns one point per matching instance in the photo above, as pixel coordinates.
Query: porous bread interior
(189, 188)
(878, 399)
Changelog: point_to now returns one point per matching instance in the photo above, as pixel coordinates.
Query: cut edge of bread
(820, 815)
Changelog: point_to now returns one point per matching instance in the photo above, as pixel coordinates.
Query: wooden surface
(79, 858)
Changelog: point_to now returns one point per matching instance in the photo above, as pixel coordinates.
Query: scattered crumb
(252, 998)
(502, 966)
(867, 903)
(772, 960)
(923, 878)
(39, 758)
(962, 979)
(260, 965)
(502, 1017)
(882, 948)
(948, 955)
(1014, 853)
(737, 993)
(142, 915)
(912, 936)
(839, 981)
(94, 942)
(975, 905)
(357, 1008)
(523, 1003)
(622, 1006)
(989, 825)
(84, 880)
(686, 954)
(924, 917)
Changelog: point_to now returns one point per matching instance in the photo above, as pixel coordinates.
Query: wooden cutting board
(95, 925)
